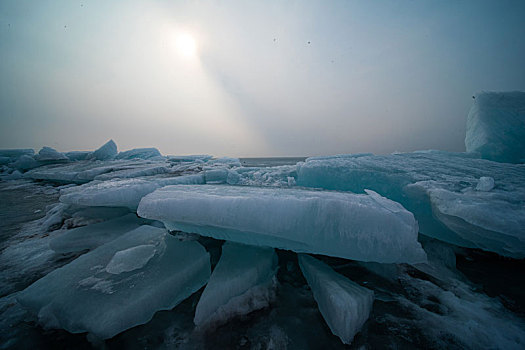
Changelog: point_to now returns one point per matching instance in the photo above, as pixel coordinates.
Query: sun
(186, 45)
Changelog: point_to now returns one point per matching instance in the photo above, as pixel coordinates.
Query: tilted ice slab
(92, 236)
(449, 193)
(242, 282)
(496, 126)
(105, 152)
(344, 304)
(121, 192)
(120, 284)
(353, 226)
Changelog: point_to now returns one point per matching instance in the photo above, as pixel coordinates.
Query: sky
(266, 78)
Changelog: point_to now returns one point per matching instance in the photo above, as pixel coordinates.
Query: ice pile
(120, 284)
(449, 193)
(364, 227)
(242, 282)
(345, 305)
(496, 126)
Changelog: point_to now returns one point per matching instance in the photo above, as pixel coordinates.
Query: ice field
(137, 249)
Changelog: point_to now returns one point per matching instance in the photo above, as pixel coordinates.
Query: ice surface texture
(92, 236)
(364, 227)
(120, 284)
(121, 192)
(441, 189)
(496, 126)
(241, 282)
(345, 305)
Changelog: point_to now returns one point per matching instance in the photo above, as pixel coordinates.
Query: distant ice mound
(496, 126)
(140, 153)
(105, 152)
(51, 155)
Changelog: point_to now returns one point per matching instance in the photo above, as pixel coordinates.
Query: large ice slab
(242, 282)
(444, 191)
(120, 284)
(85, 171)
(344, 304)
(92, 236)
(496, 126)
(364, 227)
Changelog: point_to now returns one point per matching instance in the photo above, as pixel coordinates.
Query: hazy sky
(269, 78)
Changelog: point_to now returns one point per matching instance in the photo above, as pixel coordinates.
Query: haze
(266, 78)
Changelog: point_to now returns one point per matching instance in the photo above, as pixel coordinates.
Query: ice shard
(344, 304)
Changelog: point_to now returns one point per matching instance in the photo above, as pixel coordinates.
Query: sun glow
(186, 45)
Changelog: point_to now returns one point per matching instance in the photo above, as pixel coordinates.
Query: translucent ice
(496, 126)
(120, 284)
(440, 189)
(131, 259)
(92, 236)
(241, 282)
(355, 226)
(345, 305)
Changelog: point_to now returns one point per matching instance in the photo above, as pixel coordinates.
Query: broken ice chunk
(485, 184)
(131, 259)
(84, 296)
(242, 282)
(344, 304)
(353, 226)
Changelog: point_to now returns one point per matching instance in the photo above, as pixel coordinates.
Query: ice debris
(110, 289)
(344, 304)
(364, 227)
(242, 281)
